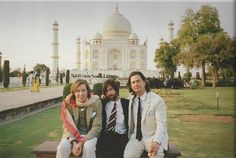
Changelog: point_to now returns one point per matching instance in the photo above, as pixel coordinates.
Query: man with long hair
(147, 120)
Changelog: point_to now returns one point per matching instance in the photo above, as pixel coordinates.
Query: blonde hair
(79, 82)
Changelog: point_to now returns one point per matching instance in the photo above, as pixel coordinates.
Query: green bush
(225, 83)
(187, 76)
(194, 84)
(175, 83)
(0, 72)
(67, 76)
(155, 82)
(114, 77)
(6, 73)
(57, 75)
(47, 77)
(61, 78)
(208, 84)
(97, 89)
(118, 83)
(66, 90)
(24, 76)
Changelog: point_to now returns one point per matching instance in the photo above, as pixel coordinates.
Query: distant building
(117, 51)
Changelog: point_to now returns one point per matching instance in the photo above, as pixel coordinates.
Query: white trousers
(64, 149)
(135, 148)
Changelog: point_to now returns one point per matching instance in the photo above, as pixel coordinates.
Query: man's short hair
(112, 83)
(142, 77)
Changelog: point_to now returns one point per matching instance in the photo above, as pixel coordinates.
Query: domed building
(115, 51)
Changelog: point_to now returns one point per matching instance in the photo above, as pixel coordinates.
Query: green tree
(15, 73)
(47, 78)
(0, 72)
(166, 57)
(187, 76)
(38, 68)
(67, 76)
(24, 76)
(220, 51)
(232, 63)
(57, 75)
(194, 25)
(179, 76)
(6, 74)
(61, 78)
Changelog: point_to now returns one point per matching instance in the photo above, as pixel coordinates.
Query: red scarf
(67, 124)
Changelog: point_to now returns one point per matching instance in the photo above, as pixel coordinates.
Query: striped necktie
(112, 120)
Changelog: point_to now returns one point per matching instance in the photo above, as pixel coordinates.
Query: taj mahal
(115, 51)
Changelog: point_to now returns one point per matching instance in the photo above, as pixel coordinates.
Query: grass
(194, 139)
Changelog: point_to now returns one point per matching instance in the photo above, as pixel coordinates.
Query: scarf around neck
(69, 123)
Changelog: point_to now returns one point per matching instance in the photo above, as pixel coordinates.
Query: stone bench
(48, 150)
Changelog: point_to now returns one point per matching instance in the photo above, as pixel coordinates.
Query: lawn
(208, 136)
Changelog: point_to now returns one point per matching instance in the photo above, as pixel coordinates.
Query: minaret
(55, 44)
(78, 54)
(117, 11)
(171, 30)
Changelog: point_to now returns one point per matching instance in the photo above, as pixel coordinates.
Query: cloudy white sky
(26, 27)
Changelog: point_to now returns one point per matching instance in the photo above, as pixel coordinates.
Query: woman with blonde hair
(82, 122)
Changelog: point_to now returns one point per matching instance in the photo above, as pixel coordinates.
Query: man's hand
(154, 147)
(76, 149)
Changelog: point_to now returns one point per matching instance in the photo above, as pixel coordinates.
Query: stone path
(10, 100)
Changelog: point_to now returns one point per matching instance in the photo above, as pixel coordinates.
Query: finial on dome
(55, 23)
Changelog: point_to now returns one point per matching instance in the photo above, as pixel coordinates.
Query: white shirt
(120, 118)
(135, 105)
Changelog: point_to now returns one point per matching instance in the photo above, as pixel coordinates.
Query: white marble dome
(116, 26)
(97, 36)
(133, 36)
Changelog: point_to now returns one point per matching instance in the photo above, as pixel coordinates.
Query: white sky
(26, 27)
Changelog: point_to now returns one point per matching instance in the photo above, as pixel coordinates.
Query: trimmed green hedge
(175, 83)
(155, 82)
(97, 89)
(66, 90)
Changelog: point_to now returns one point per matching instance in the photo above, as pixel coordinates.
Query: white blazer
(154, 122)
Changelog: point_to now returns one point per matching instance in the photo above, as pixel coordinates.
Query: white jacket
(154, 122)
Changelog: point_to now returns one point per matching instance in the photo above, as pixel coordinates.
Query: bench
(48, 150)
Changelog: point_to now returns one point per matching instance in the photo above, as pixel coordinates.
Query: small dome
(97, 36)
(171, 23)
(117, 25)
(133, 36)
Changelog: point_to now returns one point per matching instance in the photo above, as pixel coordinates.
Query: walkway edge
(15, 114)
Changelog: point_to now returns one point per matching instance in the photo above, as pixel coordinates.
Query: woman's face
(81, 93)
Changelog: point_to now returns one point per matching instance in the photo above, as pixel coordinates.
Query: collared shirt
(135, 108)
(120, 119)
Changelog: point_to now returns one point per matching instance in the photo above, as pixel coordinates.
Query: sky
(26, 27)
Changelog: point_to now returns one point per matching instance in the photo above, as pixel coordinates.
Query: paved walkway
(10, 100)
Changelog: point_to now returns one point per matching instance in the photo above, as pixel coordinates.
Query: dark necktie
(112, 120)
(139, 117)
